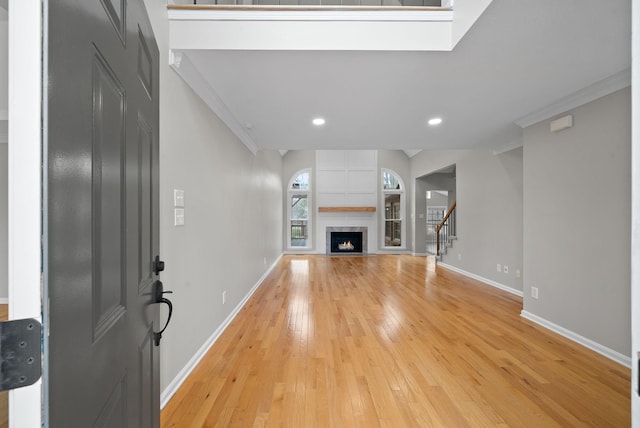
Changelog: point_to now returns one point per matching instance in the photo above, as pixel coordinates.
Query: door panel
(108, 197)
(102, 210)
(113, 413)
(145, 180)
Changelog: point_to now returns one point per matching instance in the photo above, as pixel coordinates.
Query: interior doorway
(437, 192)
(437, 205)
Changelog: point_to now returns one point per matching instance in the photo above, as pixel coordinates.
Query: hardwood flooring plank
(393, 341)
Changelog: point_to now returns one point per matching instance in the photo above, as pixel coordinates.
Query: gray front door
(101, 214)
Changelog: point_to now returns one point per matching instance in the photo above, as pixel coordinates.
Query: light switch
(178, 198)
(178, 217)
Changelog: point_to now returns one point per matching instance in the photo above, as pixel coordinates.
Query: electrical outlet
(459, 256)
(506, 269)
(534, 292)
(517, 273)
(264, 261)
(499, 267)
(224, 297)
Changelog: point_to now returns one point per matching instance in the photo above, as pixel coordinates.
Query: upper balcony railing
(328, 3)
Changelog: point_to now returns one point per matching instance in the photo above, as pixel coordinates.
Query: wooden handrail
(446, 216)
(441, 225)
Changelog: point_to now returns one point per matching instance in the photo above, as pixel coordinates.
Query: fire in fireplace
(346, 242)
(346, 246)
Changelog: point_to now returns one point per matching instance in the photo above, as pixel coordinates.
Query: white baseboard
(420, 254)
(581, 340)
(4, 300)
(482, 279)
(175, 384)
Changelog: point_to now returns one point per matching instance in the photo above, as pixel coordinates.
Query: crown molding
(508, 147)
(180, 62)
(585, 95)
(411, 153)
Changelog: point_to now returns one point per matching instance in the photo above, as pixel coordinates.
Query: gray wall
(438, 200)
(233, 213)
(489, 210)
(4, 222)
(577, 247)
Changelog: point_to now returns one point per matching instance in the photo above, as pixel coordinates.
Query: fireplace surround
(339, 240)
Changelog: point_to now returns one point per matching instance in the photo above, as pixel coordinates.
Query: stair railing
(447, 227)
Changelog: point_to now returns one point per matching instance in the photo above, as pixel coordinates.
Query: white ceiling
(519, 57)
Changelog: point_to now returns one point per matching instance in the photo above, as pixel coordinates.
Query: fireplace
(346, 240)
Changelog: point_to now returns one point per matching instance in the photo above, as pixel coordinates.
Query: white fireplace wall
(346, 178)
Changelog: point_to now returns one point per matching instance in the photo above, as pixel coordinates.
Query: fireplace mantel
(347, 209)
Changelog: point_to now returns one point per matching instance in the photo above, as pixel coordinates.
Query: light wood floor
(392, 341)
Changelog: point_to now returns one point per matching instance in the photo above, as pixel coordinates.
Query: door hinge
(20, 353)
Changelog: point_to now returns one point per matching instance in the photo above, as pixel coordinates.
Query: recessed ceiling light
(318, 121)
(435, 121)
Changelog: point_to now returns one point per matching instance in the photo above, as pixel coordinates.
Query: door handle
(158, 297)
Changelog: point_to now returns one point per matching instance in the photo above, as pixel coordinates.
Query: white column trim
(25, 154)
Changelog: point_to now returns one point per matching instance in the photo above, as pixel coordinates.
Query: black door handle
(158, 297)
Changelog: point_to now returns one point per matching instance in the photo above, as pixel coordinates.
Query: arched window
(299, 209)
(393, 202)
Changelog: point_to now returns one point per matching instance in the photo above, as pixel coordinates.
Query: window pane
(392, 207)
(299, 233)
(301, 182)
(299, 207)
(390, 181)
(393, 233)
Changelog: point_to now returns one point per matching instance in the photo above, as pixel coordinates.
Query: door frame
(25, 187)
(635, 215)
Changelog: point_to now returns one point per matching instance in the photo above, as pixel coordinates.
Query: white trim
(180, 62)
(25, 192)
(411, 153)
(508, 147)
(585, 95)
(635, 211)
(312, 15)
(175, 384)
(392, 251)
(420, 254)
(581, 340)
(482, 279)
(4, 300)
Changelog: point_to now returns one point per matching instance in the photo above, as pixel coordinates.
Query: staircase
(446, 232)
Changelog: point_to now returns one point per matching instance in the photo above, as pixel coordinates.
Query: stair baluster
(446, 229)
